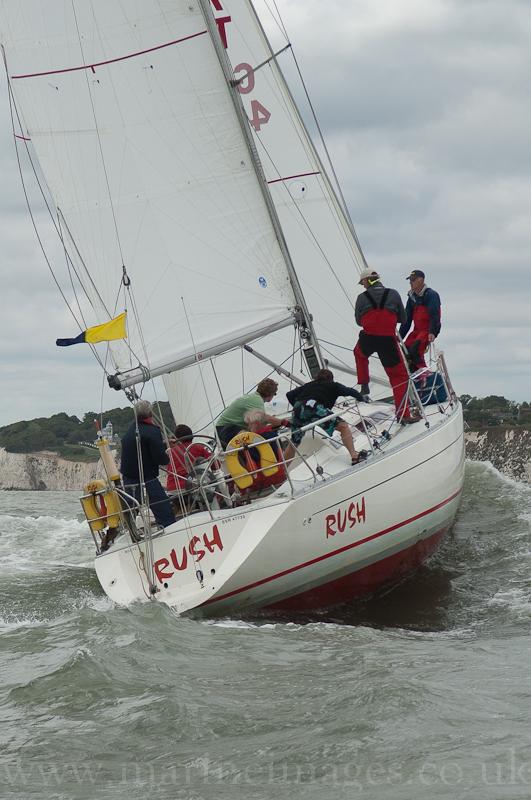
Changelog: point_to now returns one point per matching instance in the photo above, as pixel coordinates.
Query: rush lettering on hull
(345, 517)
(197, 548)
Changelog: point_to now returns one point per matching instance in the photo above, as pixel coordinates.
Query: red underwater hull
(363, 581)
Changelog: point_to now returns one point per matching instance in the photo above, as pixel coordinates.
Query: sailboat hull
(342, 538)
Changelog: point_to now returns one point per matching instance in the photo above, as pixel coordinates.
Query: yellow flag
(108, 331)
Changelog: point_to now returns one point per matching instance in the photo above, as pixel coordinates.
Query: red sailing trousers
(387, 349)
(420, 333)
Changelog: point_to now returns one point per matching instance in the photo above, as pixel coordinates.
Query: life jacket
(379, 321)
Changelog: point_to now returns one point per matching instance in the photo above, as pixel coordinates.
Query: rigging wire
(310, 231)
(272, 372)
(330, 162)
(13, 110)
(104, 364)
(345, 209)
(125, 282)
(59, 223)
(100, 146)
(342, 205)
(293, 202)
(293, 356)
(69, 270)
(82, 262)
(144, 510)
(217, 381)
(197, 360)
(278, 19)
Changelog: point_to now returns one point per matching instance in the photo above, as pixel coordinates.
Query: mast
(311, 348)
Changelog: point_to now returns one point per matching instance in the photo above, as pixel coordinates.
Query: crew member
(423, 310)
(153, 454)
(379, 310)
(314, 401)
(183, 453)
(232, 420)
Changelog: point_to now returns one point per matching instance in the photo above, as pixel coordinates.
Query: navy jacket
(431, 302)
(152, 448)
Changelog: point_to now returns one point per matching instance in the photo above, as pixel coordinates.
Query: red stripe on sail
(290, 177)
(110, 60)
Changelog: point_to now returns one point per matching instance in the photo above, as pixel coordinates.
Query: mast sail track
(201, 351)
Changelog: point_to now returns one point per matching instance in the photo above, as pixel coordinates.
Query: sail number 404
(244, 72)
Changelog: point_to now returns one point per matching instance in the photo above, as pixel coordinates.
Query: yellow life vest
(243, 475)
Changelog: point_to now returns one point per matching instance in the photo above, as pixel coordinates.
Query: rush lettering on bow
(179, 560)
(345, 517)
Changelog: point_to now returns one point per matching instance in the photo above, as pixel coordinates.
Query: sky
(426, 110)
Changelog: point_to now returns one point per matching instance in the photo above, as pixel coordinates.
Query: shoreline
(507, 449)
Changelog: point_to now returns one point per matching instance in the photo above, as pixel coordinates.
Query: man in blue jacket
(153, 454)
(423, 310)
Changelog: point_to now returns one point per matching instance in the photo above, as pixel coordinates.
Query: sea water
(422, 692)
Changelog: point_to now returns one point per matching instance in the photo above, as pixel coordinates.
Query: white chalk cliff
(43, 471)
(508, 449)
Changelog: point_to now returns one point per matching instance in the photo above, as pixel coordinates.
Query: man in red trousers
(423, 310)
(378, 311)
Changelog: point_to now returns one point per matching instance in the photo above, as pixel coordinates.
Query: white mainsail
(129, 114)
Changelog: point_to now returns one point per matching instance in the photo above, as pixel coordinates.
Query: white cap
(369, 273)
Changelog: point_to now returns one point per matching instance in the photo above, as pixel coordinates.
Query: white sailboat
(188, 192)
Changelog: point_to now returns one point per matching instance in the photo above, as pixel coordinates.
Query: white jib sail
(321, 242)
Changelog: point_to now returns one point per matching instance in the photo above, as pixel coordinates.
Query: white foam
(18, 622)
(41, 542)
(516, 599)
(96, 602)
(487, 466)
(228, 623)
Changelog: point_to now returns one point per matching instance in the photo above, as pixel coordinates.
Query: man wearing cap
(423, 310)
(378, 311)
